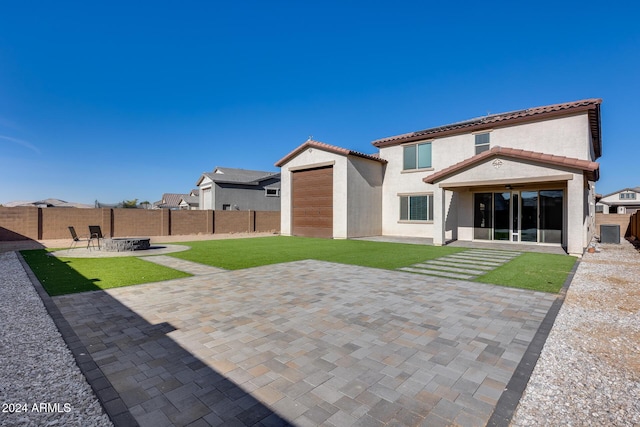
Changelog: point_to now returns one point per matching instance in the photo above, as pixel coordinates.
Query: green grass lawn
(535, 271)
(61, 276)
(531, 270)
(237, 254)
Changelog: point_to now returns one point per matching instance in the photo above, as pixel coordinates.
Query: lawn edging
(102, 388)
(510, 397)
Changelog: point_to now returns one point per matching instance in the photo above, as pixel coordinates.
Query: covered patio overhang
(515, 196)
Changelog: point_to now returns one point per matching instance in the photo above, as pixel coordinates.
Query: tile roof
(634, 189)
(190, 200)
(592, 168)
(327, 147)
(171, 199)
(592, 106)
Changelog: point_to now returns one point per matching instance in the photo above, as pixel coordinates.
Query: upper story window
(482, 142)
(627, 196)
(417, 156)
(272, 192)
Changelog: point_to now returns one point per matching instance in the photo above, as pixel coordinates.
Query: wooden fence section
(31, 223)
(623, 220)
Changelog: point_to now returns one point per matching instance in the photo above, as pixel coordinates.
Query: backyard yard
(534, 271)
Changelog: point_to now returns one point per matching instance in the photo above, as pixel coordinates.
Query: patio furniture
(77, 238)
(95, 232)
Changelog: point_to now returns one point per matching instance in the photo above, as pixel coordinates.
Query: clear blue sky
(131, 99)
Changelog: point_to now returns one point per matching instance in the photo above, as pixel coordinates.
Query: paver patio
(306, 343)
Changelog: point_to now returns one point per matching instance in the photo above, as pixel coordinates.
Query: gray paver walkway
(307, 343)
(190, 267)
(466, 265)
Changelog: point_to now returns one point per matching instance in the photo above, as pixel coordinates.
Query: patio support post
(439, 200)
(575, 216)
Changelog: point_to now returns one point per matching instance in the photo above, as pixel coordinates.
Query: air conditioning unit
(610, 233)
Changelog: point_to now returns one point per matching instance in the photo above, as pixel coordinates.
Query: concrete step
(449, 275)
(429, 266)
(458, 264)
(469, 260)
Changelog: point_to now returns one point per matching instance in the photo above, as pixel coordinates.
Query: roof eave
(449, 130)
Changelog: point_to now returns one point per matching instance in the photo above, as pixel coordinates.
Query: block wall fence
(25, 223)
(623, 220)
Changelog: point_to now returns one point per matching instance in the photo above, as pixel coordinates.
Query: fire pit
(120, 244)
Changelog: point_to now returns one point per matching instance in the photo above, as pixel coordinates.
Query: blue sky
(121, 100)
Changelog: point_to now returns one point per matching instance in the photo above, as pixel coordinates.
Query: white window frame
(408, 196)
(416, 146)
(482, 146)
(276, 194)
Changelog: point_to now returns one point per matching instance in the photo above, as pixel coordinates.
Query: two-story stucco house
(239, 189)
(523, 177)
(625, 201)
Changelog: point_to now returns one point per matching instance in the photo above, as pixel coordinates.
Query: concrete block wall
(233, 221)
(137, 223)
(623, 220)
(19, 223)
(191, 222)
(266, 221)
(55, 221)
(25, 223)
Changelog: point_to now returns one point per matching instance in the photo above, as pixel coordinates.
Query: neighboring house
(169, 201)
(190, 201)
(625, 201)
(524, 176)
(239, 189)
(49, 203)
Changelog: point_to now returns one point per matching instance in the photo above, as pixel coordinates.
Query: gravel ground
(40, 383)
(588, 373)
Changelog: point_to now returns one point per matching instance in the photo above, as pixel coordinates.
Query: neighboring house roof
(326, 147)
(591, 168)
(238, 176)
(625, 202)
(170, 200)
(195, 192)
(592, 106)
(49, 203)
(635, 189)
(190, 200)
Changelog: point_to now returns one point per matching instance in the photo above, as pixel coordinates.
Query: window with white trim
(272, 192)
(417, 156)
(416, 208)
(627, 196)
(482, 142)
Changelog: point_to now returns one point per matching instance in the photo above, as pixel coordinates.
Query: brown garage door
(312, 200)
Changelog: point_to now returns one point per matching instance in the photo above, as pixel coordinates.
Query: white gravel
(40, 383)
(588, 373)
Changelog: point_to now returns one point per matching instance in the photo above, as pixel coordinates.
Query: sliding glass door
(519, 216)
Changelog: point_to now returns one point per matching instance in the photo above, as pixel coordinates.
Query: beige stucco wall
(566, 136)
(357, 192)
(364, 197)
(398, 182)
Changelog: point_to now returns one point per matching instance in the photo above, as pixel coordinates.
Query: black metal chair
(95, 233)
(77, 238)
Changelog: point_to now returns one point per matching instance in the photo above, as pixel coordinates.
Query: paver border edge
(510, 397)
(90, 370)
